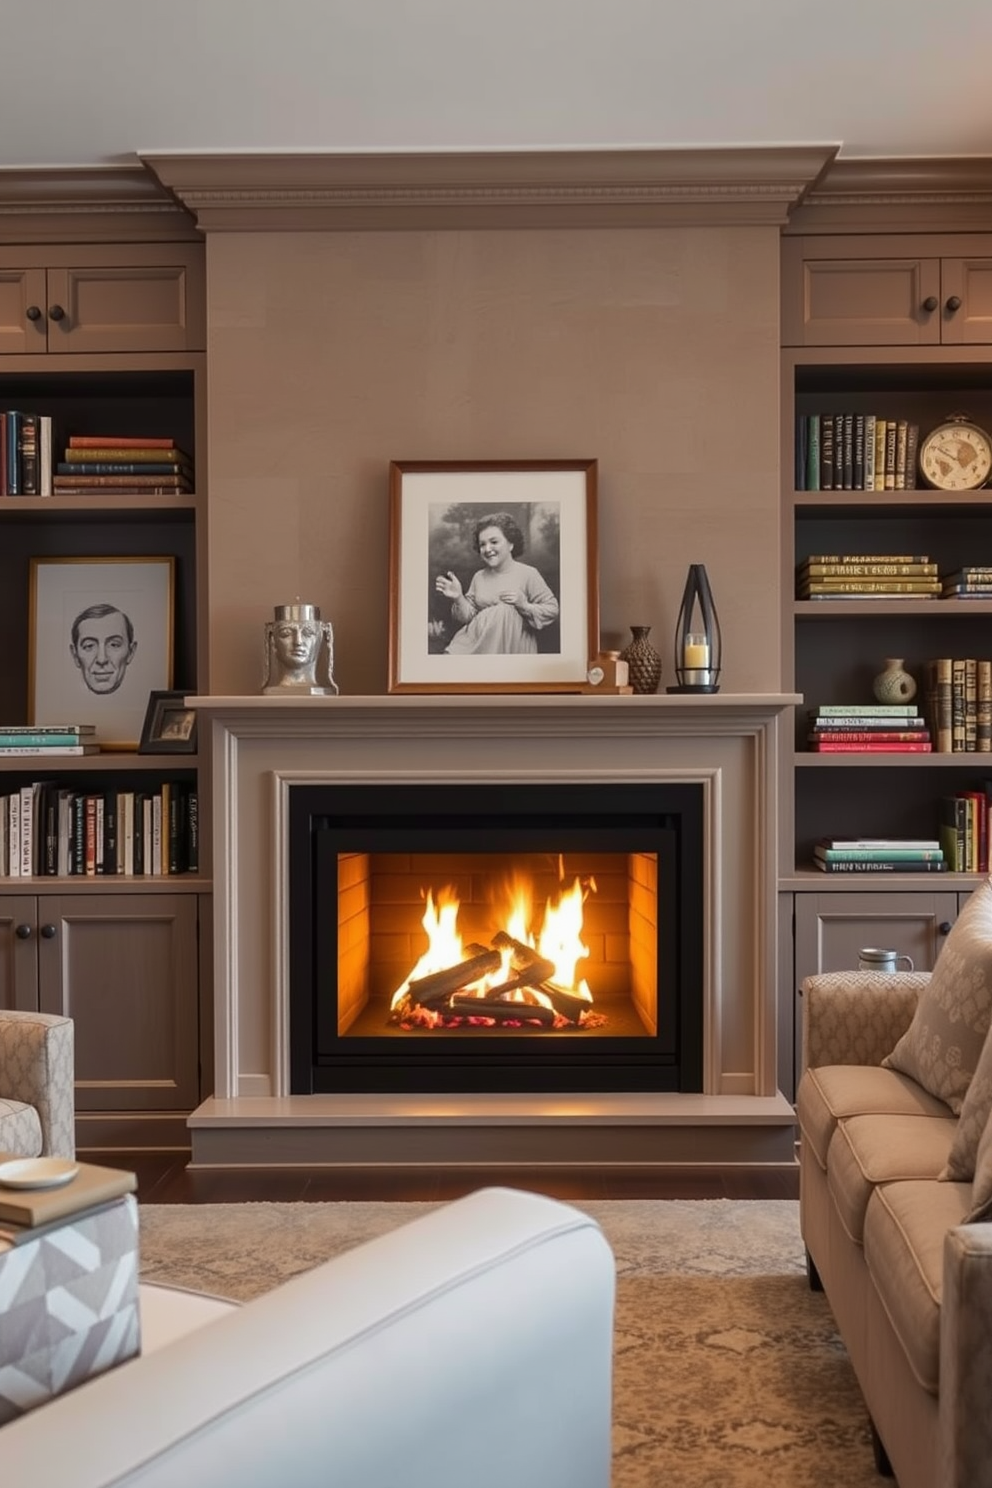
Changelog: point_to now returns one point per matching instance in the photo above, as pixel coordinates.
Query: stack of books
(151, 466)
(879, 855)
(843, 728)
(855, 452)
(973, 582)
(867, 576)
(48, 739)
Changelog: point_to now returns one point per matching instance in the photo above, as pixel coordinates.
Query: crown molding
(948, 194)
(89, 203)
(235, 192)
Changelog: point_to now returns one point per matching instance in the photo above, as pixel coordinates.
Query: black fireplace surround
(328, 821)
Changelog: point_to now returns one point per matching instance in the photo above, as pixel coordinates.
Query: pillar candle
(697, 653)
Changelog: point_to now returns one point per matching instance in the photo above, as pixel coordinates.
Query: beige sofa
(37, 1098)
(896, 1187)
(470, 1346)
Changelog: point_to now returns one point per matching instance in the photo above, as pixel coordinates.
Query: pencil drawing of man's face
(102, 646)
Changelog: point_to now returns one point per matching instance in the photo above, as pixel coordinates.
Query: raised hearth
(263, 748)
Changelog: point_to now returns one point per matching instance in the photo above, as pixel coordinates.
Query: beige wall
(656, 351)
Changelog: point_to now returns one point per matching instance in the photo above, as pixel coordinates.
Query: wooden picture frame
(452, 628)
(169, 726)
(99, 641)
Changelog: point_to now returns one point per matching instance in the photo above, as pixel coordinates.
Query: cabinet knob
(930, 303)
(944, 927)
(952, 304)
(56, 313)
(33, 312)
(48, 932)
(23, 932)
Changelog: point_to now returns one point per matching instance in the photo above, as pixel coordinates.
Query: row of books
(30, 466)
(974, 581)
(957, 702)
(964, 829)
(50, 830)
(855, 452)
(868, 576)
(875, 728)
(880, 855)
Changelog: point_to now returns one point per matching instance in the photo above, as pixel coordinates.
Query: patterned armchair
(37, 1103)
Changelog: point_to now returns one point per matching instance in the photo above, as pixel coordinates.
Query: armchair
(37, 1099)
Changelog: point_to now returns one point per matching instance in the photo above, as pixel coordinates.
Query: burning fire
(516, 977)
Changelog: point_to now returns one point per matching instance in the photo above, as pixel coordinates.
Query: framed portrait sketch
(169, 727)
(99, 641)
(493, 578)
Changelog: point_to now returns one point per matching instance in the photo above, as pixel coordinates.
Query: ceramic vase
(642, 659)
(894, 685)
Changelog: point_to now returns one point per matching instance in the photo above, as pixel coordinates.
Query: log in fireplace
(496, 937)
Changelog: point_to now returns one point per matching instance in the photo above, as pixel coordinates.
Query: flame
(559, 940)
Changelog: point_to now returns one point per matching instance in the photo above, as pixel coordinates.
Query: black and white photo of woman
(506, 606)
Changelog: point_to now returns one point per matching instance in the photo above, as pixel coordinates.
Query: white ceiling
(93, 81)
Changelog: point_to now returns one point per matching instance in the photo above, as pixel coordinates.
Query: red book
(880, 736)
(831, 748)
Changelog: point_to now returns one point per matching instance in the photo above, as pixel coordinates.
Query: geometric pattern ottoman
(68, 1303)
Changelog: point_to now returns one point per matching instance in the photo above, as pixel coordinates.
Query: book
(48, 728)
(119, 441)
(858, 458)
(880, 854)
(924, 842)
(802, 426)
(953, 831)
(868, 484)
(118, 482)
(869, 736)
(912, 448)
(826, 452)
(882, 569)
(902, 429)
(91, 1186)
(983, 717)
(865, 710)
(868, 558)
(881, 426)
(116, 467)
(882, 865)
(871, 586)
(813, 453)
(140, 453)
(6, 750)
(826, 746)
(29, 736)
(890, 454)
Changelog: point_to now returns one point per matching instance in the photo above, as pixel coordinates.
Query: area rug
(729, 1372)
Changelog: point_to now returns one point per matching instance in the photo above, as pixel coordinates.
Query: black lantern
(697, 636)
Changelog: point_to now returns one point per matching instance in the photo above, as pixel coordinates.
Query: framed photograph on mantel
(493, 575)
(100, 640)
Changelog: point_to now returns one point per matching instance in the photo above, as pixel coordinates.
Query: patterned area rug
(729, 1372)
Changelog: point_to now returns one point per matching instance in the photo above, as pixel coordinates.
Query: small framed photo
(169, 727)
(99, 641)
(493, 577)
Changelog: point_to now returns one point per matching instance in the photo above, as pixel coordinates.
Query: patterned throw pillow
(974, 1118)
(941, 1048)
(981, 1189)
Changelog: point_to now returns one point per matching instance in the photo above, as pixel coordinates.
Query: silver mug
(872, 958)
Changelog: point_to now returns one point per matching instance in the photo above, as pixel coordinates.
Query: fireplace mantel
(262, 746)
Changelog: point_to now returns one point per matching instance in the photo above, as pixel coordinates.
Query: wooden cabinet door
(18, 954)
(834, 300)
(119, 308)
(124, 967)
(970, 281)
(830, 929)
(22, 291)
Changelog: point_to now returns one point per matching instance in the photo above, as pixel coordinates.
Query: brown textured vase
(642, 659)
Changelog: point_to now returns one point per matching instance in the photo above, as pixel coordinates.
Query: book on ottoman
(89, 1186)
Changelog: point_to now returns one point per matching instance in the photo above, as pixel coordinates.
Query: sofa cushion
(20, 1129)
(868, 1150)
(904, 1231)
(943, 1044)
(976, 1108)
(835, 1091)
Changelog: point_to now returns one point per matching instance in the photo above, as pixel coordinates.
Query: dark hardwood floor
(164, 1178)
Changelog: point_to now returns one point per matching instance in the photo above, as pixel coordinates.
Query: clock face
(595, 675)
(957, 456)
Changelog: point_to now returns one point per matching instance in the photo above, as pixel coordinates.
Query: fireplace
(496, 938)
(705, 1088)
